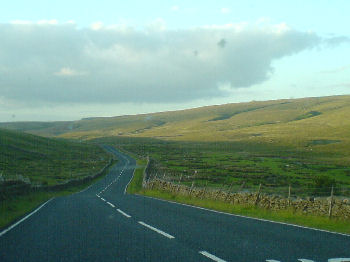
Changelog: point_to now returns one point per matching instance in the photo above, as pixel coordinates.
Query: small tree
(322, 185)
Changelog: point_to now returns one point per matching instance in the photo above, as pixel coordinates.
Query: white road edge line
(123, 213)
(110, 204)
(212, 257)
(253, 218)
(156, 230)
(27, 216)
(129, 181)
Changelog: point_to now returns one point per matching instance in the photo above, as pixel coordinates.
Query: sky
(67, 60)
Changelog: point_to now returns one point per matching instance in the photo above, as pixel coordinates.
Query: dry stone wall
(314, 206)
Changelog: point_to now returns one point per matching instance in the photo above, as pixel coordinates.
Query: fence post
(205, 189)
(229, 191)
(191, 187)
(331, 204)
(242, 186)
(258, 195)
(219, 191)
(289, 190)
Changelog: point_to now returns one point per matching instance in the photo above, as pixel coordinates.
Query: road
(103, 223)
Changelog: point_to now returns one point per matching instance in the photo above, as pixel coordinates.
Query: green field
(317, 125)
(43, 161)
(221, 164)
(30, 165)
(285, 216)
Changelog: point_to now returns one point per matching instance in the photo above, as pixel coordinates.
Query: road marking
(156, 230)
(272, 260)
(123, 213)
(212, 257)
(103, 199)
(305, 260)
(110, 204)
(339, 260)
(252, 218)
(129, 181)
(27, 216)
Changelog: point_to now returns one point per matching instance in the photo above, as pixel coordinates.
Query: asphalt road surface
(103, 223)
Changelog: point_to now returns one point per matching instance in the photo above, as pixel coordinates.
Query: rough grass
(47, 161)
(286, 216)
(13, 209)
(293, 122)
(224, 163)
(135, 185)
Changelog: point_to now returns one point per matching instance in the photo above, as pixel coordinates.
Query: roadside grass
(285, 216)
(16, 207)
(135, 185)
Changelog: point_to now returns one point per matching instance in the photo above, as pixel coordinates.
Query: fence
(328, 201)
(20, 186)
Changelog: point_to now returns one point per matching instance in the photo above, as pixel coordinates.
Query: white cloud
(47, 22)
(154, 65)
(225, 10)
(21, 22)
(157, 25)
(175, 8)
(66, 71)
(97, 26)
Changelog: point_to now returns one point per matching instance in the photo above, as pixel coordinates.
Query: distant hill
(321, 123)
(47, 161)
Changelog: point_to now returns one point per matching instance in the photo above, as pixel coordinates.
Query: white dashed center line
(212, 257)
(103, 199)
(110, 204)
(157, 230)
(123, 213)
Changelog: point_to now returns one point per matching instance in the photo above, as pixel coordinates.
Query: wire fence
(153, 171)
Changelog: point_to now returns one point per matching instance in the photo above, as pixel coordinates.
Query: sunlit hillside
(320, 124)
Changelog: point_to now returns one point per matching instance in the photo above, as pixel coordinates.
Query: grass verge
(17, 207)
(286, 216)
(135, 185)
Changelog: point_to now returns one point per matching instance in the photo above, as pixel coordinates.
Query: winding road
(103, 223)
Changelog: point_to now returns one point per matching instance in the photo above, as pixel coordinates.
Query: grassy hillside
(317, 125)
(46, 161)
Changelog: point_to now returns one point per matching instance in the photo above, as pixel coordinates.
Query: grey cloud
(63, 64)
(222, 43)
(337, 40)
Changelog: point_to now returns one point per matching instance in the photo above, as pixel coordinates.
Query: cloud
(334, 41)
(225, 10)
(60, 63)
(68, 72)
(175, 8)
(97, 26)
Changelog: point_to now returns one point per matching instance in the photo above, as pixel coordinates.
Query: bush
(323, 185)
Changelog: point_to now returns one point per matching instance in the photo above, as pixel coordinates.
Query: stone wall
(13, 188)
(315, 206)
